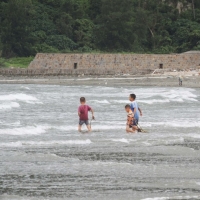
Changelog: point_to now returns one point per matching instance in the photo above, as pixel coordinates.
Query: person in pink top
(83, 114)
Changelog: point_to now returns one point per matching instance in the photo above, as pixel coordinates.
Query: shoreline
(146, 80)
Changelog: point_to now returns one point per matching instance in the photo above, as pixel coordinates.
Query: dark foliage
(140, 26)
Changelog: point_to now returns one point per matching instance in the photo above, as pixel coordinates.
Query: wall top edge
(115, 54)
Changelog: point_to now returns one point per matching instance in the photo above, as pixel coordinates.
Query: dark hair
(127, 106)
(82, 99)
(133, 96)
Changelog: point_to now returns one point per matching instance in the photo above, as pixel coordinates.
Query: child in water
(83, 114)
(130, 119)
(136, 112)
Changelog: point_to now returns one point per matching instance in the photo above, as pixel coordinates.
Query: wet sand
(147, 80)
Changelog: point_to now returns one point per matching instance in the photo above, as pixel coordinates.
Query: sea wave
(45, 143)
(123, 140)
(10, 105)
(174, 198)
(150, 142)
(175, 124)
(94, 127)
(28, 130)
(24, 87)
(101, 101)
(20, 97)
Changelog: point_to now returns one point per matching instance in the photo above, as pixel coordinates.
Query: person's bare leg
(79, 128)
(134, 128)
(89, 128)
(129, 130)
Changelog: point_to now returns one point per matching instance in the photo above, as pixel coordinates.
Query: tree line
(139, 26)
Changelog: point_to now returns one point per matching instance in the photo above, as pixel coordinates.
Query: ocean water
(42, 156)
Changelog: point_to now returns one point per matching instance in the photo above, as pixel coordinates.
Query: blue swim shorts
(81, 122)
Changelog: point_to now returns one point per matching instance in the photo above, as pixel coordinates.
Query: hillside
(141, 26)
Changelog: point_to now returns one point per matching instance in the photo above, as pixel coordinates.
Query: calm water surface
(44, 157)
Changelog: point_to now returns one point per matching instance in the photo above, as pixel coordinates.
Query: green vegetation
(140, 26)
(21, 62)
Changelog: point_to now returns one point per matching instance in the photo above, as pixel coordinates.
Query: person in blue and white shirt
(137, 112)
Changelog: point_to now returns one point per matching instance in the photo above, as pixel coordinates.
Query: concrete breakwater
(105, 64)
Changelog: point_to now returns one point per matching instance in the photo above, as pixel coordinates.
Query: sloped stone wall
(104, 64)
(113, 63)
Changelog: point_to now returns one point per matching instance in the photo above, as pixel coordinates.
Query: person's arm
(92, 111)
(134, 111)
(79, 112)
(127, 121)
(140, 111)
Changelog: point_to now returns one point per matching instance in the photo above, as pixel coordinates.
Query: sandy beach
(164, 80)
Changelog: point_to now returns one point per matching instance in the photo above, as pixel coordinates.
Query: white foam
(147, 143)
(176, 124)
(19, 97)
(15, 197)
(10, 105)
(197, 136)
(166, 141)
(157, 198)
(121, 101)
(163, 95)
(175, 198)
(33, 102)
(94, 127)
(198, 183)
(155, 96)
(151, 142)
(29, 130)
(27, 88)
(36, 130)
(65, 128)
(17, 123)
(11, 144)
(97, 163)
(154, 101)
(121, 140)
(105, 127)
(45, 143)
(101, 101)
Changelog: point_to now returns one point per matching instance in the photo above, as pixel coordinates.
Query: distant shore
(147, 80)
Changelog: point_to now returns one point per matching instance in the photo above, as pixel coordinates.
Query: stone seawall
(105, 64)
(114, 63)
(57, 72)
